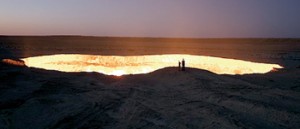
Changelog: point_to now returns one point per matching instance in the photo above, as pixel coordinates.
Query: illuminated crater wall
(121, 65)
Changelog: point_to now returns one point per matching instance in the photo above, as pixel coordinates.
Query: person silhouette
(183, 65)
(179, 65)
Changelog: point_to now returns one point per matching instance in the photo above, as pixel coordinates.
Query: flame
(118, 72)
(122, 65)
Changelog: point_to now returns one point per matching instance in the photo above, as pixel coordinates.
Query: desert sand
(166, 98)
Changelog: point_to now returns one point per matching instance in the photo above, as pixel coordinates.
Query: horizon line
(149, 37)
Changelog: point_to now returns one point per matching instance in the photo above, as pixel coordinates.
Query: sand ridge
(166, 98)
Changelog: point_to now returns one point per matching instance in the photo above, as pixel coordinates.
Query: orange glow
(122, 65)
(118, 72)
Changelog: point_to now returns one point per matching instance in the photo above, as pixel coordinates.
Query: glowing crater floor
(122, 65)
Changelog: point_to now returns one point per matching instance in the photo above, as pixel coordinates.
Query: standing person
(179, 65)
(183, 65)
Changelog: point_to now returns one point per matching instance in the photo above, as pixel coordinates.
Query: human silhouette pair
(181, 65)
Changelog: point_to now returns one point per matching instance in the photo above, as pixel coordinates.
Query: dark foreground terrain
(39, 99)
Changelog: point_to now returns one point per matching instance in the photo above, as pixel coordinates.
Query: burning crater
(122, 65)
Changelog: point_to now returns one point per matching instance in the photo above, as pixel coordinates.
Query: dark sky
(152, 18)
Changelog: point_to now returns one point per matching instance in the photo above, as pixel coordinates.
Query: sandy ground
(39, 99)
(167, 98)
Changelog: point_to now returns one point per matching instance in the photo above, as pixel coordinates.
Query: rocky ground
(167, 98)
